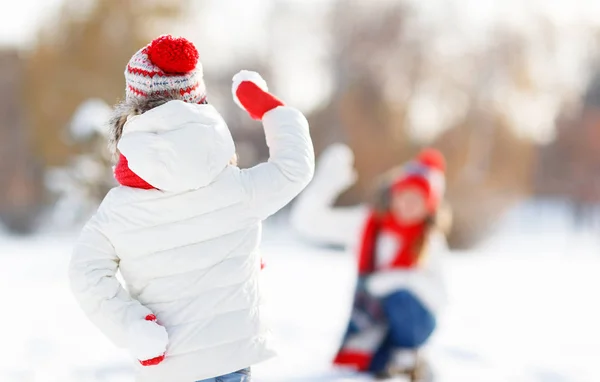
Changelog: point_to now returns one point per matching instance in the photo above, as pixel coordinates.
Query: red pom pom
(151, 317)
(173, 55)
(432, 158)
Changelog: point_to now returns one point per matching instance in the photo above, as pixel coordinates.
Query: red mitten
(250, 92)
(148, 341)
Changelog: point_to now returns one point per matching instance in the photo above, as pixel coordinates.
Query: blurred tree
(81, 55)
(372, 60)
(248, 136)
(479, 192)
(21, 195)
(569, 167)
(400, 80)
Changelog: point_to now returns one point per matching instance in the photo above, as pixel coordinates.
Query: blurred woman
(400, 291)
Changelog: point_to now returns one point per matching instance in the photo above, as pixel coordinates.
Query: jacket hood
(177, 146)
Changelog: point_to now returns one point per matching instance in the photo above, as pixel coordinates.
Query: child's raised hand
(250, 92)
(148, 341)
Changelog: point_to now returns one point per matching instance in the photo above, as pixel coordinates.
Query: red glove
(250, 92)
(148, 341)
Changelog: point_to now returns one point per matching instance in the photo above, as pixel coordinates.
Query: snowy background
(508, 90)
(524, 307)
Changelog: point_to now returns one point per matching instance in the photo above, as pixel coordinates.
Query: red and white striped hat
(164, 66)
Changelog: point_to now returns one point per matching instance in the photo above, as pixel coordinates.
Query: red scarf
(128, 178)
(407, 236)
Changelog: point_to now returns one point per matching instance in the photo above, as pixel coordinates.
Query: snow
(89, 119)
(73, 187)
(523, 308)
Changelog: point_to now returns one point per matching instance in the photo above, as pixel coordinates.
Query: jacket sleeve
(316, 218)
(273, 184)
(314, 214)
(92, 274)
(319, 221)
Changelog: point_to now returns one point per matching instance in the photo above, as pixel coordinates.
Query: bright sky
(244, 29)
(301, 79)
(20, 19)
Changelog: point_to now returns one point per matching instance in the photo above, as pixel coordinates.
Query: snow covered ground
(524, 307)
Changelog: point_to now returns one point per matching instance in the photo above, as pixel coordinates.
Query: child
(399, 291)
(184, 226)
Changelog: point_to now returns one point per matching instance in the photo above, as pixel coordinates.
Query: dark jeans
(410, 325)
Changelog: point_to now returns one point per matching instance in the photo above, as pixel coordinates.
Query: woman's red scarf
(407, 236)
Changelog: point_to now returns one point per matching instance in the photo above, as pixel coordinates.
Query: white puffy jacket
(188, 252)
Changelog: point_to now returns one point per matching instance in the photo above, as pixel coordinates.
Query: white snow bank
(90, 118)
(514, 316)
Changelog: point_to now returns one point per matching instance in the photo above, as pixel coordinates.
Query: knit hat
(164, 66)
(426, 172)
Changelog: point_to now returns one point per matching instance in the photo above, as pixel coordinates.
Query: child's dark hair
(131, 107)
